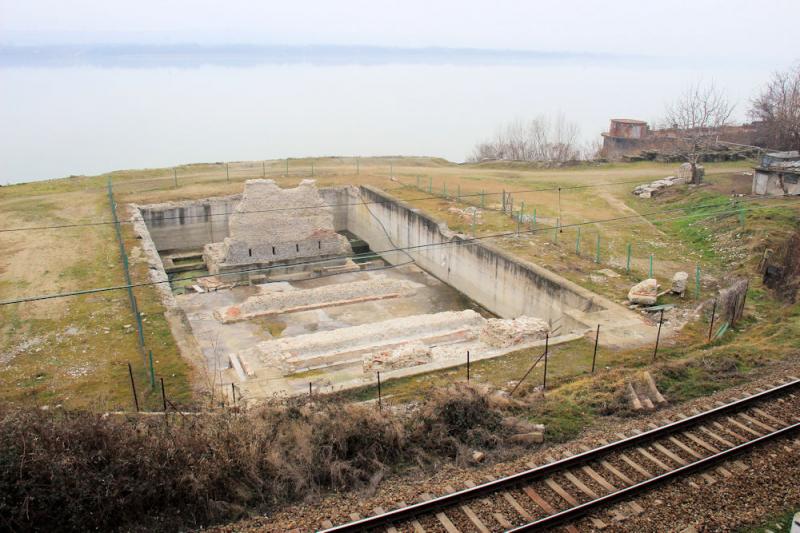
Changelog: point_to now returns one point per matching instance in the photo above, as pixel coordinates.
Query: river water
(84, 119)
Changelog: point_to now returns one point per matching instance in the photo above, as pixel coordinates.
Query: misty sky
(730, 29)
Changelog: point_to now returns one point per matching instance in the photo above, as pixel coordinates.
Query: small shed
(778, 174)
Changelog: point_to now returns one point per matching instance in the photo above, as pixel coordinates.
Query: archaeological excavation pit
(278, 288)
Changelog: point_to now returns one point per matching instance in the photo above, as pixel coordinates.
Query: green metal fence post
(534, 217)
(152, 372)
(628, 262)
(578, 242)
(519, 220)
(651, 265)
(597, 250)
(697, 282)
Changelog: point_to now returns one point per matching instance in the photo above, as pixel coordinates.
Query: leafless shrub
(698, 114)
(777, 111)
(540, 139)
(78, 471)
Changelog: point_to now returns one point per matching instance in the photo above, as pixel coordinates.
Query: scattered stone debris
(685, 172)
(467, 214)
(643, 394)
(644, 293)
(501, 333)
(679, 282)
(411, 354)
(607, 272)
(654, 188)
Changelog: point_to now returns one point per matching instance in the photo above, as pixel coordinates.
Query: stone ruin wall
(271, 225)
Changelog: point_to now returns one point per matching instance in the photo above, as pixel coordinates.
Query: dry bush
(76, 470)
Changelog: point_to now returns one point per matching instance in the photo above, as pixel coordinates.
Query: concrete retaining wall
(507, 286)
(188, 225)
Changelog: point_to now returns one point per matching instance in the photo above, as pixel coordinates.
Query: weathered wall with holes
(507, 286)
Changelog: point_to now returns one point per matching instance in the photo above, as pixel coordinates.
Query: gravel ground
(768, 487)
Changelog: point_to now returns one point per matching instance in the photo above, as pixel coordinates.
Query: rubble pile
(411, 354)
(648, 190)
(644, 293)
(502, 333)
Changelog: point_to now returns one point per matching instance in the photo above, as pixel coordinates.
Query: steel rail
(405, 514)
(568, 515)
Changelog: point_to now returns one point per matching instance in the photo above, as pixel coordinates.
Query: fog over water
(73, 110)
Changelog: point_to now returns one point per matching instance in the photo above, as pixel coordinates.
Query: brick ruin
(274, 226)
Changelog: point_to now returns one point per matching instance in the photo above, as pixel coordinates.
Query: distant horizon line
(243, 54)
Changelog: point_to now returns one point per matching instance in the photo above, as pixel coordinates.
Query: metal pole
(697, 282)
(711, 327)
(163, 396)
(594, 356)
(519, 220)
(658, 335)
(380, 400)
(133, 388)
(310, 393)
(467, 365)
(546, 348)
(559, 203)
(534, 217)
(504, 201)
(578, 242)
(233, 393)
(628, 264)
(597, 250)
(651, 265)
(152, 372)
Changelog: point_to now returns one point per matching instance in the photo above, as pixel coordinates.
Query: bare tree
(539, 139)
(777, 110)
(697, 115)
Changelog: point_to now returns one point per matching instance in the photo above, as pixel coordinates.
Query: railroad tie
(514, 503)
(414, 523)
(636, 466)
(757, 423)
(716, 437)
(446, 523)
(470, 514)
(764, 414)
(504, 523)
(729, 431)
(743, 427)
(381, 510)
(669, 453)
(685, 448)
(655, 460)
(700, 442)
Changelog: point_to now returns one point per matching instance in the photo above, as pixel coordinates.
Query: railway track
(562, 491)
